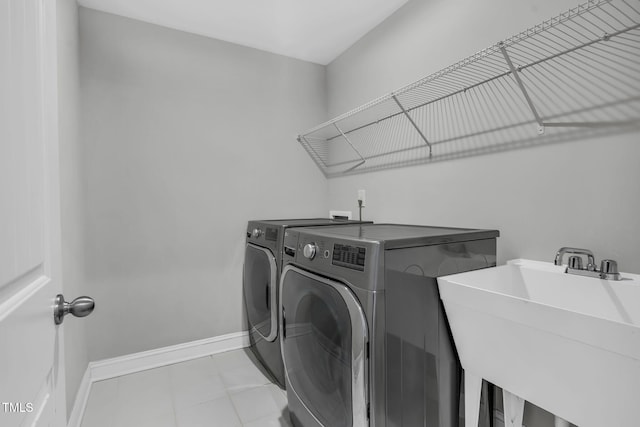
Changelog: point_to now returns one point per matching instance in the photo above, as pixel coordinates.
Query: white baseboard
(136, 362)
(123, 365)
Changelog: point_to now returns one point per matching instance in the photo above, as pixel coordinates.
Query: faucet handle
(608, 266)
(575, 262)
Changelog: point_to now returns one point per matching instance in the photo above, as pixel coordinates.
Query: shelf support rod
(354, 149)
(406, 114)
(520, 83)
(601, 124)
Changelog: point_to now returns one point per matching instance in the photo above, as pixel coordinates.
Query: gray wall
(525, 193)
(71, 199)
(185, 139)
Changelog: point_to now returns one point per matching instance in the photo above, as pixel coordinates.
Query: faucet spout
(608, 269)
(591, 261)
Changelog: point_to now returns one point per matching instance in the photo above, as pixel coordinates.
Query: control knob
(256, 233)
(609, 266)
(310, 250)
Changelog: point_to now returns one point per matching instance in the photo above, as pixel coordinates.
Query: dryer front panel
(324, 344)
(260, 291)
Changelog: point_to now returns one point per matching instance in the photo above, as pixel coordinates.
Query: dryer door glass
(318, 346)
(259, 284)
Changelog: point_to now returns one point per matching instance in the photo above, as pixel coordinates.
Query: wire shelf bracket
(573, 76)
(516, 76)
(404, 111)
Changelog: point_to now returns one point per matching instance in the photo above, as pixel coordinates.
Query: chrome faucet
(591, 261)
(608, 267)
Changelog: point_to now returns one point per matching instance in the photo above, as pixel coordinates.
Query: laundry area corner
(319, 214)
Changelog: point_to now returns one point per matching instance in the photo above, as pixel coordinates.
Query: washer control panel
(318, 252)
(356, 261)
(349, 256)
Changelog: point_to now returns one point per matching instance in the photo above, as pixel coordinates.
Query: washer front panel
(324, 347)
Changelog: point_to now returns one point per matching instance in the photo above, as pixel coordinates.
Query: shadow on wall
(419, 154)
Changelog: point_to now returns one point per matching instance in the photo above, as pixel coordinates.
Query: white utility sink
(566, 343)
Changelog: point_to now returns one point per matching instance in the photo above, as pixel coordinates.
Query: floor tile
(281, 420)
(233, 359)
(142, 396)
(194, 367)
(279, 396)
(242, 378)
(219, 412)
(162, 420)
(146, 418)
(224, 390)
(189, 391)
(195, 381)
(255, 403)
(144, 381)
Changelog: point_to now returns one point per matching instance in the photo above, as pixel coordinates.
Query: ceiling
(312, 30)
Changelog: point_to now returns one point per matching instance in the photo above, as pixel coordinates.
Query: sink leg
(472, 391)
(513, 409)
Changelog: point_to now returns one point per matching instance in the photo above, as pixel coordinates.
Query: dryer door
(324, 345)
(260, 291)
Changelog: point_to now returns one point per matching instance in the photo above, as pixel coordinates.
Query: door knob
(79, 307)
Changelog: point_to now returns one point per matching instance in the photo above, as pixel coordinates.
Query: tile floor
(225, 390)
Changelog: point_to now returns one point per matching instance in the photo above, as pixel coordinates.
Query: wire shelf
(573, 76)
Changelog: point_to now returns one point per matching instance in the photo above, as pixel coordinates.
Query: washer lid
(393, 236)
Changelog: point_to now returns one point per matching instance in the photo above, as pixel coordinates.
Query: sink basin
(569, 344)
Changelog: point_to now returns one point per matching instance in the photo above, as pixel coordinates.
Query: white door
(31, 357)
